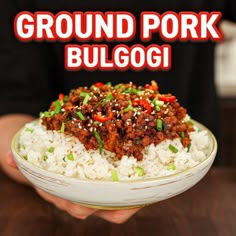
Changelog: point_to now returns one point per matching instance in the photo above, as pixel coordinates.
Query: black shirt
(32, 74)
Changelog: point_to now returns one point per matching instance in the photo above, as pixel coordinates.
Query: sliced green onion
(57, 107)
(132, 90)
(182, 135)
(159, 124)
(44, 157)
(171, 166)
(80, 115)
(108, 97)
(109, 83)
(62, 130)
(157, 108)
(173, 148)
(190, 122)
(114, 175)
(31, 130)
(154, 100)
(159, 103)
(97, 123)
(99, 140)
(83, 94)
(86, 99)
(139, 170)
(189, 146)
(129, 107)
(65, 98)
(70, 157)
(51, 149)
(94, 87)
(47, 114)
(25, 157)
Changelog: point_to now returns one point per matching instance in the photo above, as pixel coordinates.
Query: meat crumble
(123, 119)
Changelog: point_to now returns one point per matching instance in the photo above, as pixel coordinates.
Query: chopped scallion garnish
(86, 99)
(190, 122)
(171, 166)
(51, 149)
(97, 123)
(132, 90)
(159, 124)
(108, 97)
(129, 107)
(62, 130)
(159, 103)
(188, 147)
(114, 175)
(182, 135)
(80, 115)
(173, 148)
(139, 170)
(45, 157)
(99, 140)
(70, 157)
(31, 130)
(109, 83)
(83, 94)
(57, 107)
(47, 114)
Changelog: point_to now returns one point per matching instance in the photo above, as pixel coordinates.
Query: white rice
(50, 149)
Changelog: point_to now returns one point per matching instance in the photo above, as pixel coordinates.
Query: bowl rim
(210, 156)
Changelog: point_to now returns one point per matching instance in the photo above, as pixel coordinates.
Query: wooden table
(209, 208)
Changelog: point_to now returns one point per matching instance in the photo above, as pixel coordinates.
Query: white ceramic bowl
(115, 195)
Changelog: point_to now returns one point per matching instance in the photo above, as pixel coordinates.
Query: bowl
(112, 195)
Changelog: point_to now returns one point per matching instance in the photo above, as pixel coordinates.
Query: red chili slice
(98, 84)
(167, 98)
(143, 103)
(70, 108)
(61, 96)
(153, 86)
(100, 118)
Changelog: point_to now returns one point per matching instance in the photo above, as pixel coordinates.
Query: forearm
(9, 125)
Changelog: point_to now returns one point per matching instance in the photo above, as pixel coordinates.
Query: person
(32, 74)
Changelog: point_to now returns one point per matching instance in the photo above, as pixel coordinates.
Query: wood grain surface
(207, 209)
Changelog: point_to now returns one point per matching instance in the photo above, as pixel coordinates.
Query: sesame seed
(147, 120)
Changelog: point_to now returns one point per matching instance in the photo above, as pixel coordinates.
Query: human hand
(75, 210)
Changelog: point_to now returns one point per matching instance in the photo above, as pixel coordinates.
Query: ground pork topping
(123, 119)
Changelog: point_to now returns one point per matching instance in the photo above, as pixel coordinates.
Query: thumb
(10, 160)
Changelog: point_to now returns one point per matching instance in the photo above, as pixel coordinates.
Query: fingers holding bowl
(77, 211)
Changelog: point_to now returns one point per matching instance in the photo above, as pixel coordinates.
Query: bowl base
(110, 208)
